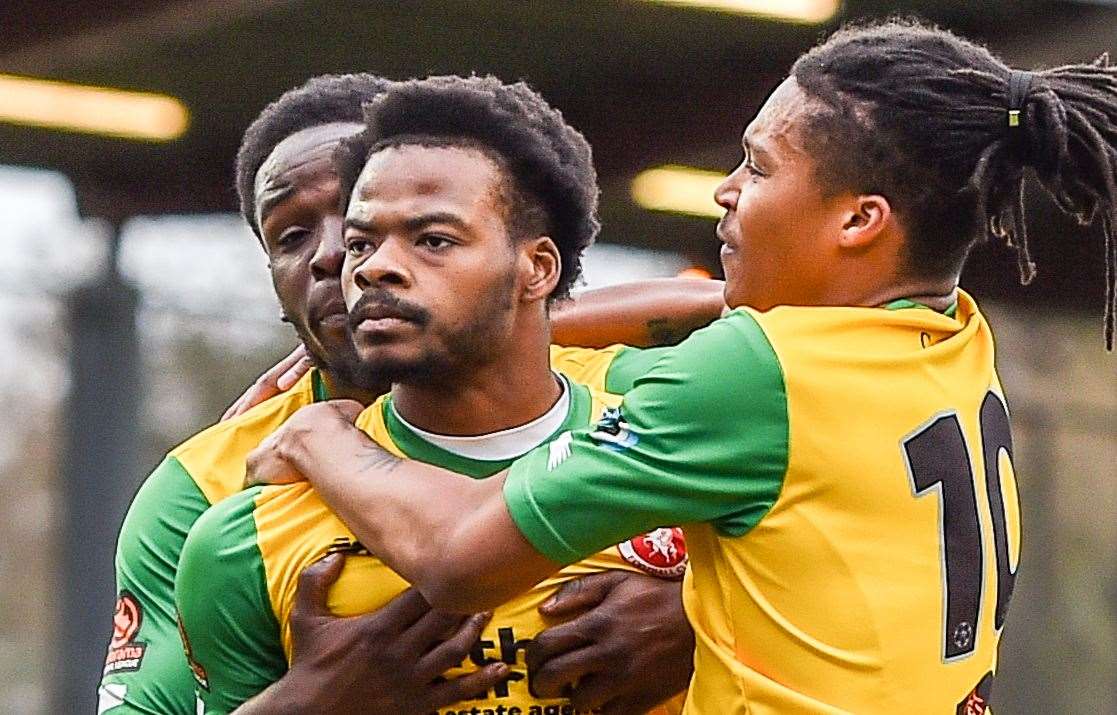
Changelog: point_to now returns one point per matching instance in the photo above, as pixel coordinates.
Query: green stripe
(415, 447)
(222, 595)
(902, 303)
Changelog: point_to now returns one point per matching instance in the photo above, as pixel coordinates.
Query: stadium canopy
(649, 83)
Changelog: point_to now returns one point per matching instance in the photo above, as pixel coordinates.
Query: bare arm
(447, 534)
(649, 313)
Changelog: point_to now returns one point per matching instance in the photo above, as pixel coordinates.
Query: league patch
(126, 654)
(195, 667)
(612, 431)
(660, 553)
(977, 701)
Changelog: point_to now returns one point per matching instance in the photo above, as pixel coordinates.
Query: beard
(448, 353)
(343, 363)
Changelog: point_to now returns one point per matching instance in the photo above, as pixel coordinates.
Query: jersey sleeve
(701, 437)
(612, 369)
(229, 631)
(145, 669)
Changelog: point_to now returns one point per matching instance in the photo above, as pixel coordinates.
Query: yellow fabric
(295, 529)
(588, 366)
(834, 601)
(216, 457)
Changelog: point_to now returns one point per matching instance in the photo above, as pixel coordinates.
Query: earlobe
(543, 266)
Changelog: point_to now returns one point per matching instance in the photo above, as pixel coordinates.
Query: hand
(389, 661)
(276, 380)
(268, 464)
(629, 648)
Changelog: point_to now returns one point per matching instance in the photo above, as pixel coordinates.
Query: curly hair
(320, 100)
(551, 182)
(947, 131)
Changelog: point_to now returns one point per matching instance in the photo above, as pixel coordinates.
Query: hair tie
(1019, 84)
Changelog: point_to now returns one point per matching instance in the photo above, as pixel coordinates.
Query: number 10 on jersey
(939, 463)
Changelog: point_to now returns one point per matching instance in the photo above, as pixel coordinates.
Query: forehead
(310, 149)
(459, 178)
(776, 125)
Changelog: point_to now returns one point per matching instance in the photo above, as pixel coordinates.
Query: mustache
(381, 303)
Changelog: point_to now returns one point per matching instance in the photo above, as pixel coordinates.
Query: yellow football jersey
(844, 478)
(275, 532)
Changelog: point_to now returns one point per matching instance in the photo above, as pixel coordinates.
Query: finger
(453, 651)
(293, 373)
(312, 592)
(552, 677)
(402, 611)
(234, 409)
(263, 466)
(593, 690)
(560, 639)
(432, 628)
(581, 594)
(466, 687)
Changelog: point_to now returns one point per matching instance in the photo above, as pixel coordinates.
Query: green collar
(318, 386)
(903, 303)
(416, 447)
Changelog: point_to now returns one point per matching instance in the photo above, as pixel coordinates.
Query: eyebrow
(756, 151)
(412, 223)
(271, 196)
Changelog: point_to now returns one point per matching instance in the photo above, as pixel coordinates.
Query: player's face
(297, 209)
(430, 274)
(778, 229)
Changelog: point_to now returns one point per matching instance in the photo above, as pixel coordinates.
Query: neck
(514, 389)
(342, 390)
(937, 295)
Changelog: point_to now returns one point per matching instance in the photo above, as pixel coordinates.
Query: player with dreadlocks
(838, 445)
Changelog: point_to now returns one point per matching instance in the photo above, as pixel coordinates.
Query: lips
(328, 312)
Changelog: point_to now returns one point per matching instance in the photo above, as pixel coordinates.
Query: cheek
(291, 280)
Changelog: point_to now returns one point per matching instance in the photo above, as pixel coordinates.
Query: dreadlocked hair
(921, 116)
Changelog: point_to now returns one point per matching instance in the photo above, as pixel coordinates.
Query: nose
(330, 252)
(727, 193)
(383, 266)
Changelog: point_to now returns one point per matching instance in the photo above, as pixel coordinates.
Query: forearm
(431, 526)
(643, 314)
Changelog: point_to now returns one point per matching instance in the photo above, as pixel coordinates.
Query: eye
(292, 236)
(435, 241)
(358, 247)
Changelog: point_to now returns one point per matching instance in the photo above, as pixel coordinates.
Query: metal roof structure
(647, 84)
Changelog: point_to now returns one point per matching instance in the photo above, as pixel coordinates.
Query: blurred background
(135, 305)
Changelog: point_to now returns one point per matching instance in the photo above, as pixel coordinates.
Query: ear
(865, 221)
(541, 265)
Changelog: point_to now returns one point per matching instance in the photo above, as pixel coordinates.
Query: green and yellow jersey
(844, 480)
(240, 566)
(145, 670)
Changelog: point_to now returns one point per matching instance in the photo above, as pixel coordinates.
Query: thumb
(312, 594)
(581, 594)
(348, 408)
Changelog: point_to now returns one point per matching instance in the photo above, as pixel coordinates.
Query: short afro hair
(553, 185)
(321, 100)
